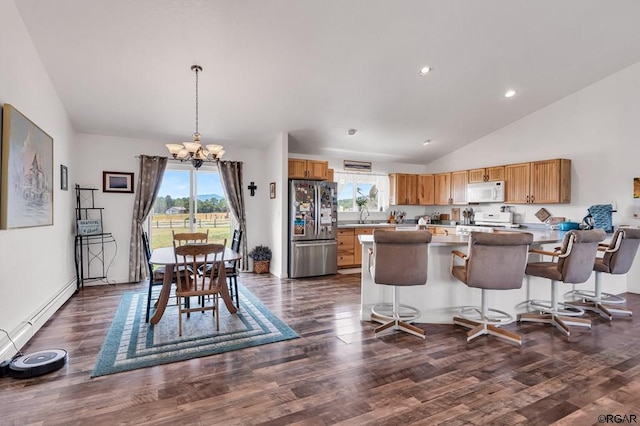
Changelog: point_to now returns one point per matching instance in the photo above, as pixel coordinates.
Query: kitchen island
(441, 298)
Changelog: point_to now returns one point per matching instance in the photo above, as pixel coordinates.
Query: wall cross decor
(252, 188)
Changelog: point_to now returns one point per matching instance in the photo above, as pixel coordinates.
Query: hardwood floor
(337, 372)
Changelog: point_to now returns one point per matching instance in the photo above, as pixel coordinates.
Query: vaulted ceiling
(316, 68)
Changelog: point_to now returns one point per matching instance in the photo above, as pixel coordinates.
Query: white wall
(37, 271)
(597, 128)
(276, 171)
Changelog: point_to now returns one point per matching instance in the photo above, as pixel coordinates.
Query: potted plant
(261, 256)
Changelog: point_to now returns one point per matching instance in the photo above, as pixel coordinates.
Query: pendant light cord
(197, 100)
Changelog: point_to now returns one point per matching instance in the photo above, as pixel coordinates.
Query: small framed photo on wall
(64, 178)
(272, 190)
(117, 182)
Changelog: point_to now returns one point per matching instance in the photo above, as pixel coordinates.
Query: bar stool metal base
(599, 302)
(560, 315)
(396, 316)
(486, 321)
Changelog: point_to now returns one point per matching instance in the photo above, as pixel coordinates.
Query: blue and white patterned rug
(131, 343)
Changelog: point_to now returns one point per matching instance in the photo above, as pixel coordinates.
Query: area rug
(131, 343)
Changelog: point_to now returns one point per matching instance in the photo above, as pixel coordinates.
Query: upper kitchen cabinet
(490, 174)
(539, 182)
(308, 169)
(451, 188)
(330, 175)
(403, 189)
(459, 187)
(426, 195)
(442, 189)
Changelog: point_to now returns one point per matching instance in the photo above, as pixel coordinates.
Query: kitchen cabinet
(330, 175)
(489, 174)
(451, 188)
(426, 195)
(308, 169)
(346, 248)
(442, 188)
(538, 182)
(459, 187)
(403, 189)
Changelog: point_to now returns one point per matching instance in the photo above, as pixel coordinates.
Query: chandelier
(193, 151)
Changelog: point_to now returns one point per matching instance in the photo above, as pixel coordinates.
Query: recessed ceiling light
(425, 70)
(509, 93)
(427, 142)
(352, 132)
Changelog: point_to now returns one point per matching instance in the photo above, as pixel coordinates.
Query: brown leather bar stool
(494, 261)
(572, 264)
(617, 259)
(398, 259)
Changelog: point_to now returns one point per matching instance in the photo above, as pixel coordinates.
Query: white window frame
(381, 181)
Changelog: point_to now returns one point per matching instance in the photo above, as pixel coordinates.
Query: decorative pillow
(601, 214)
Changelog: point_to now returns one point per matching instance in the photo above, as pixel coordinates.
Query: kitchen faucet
(366, 214)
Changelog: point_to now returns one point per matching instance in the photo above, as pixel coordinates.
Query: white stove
(486, 222)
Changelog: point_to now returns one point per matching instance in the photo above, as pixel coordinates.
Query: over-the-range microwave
(485, 192)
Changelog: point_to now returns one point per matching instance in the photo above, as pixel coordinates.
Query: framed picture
(117, 182)
(26, 193)
(361, 166)
(272, 190)
(64, 178)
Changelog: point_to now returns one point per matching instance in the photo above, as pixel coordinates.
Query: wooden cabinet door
(459, 187)
(426, 190)
(330, 175)
(411, 190)
(399, 186)
(517, 178)
(494, 174)
(550, 182)
(442, 188)
(346, 249)
(477, 175)
(297, 168)
(317, 169)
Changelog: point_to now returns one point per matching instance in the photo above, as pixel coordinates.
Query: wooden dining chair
(156, 277)
(190, 257)
(232, 267)
(182, 238)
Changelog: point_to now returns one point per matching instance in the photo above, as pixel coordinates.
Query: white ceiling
(315, 68)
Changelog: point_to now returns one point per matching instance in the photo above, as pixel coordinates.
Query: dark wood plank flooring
(337, 372)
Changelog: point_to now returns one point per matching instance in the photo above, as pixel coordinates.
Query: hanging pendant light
(193, 151)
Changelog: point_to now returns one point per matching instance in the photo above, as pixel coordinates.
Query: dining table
(165, 256)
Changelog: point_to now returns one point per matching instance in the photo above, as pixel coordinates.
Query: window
(189, 200)
(369, 188)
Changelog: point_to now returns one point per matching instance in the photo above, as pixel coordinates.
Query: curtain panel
(231, 177)
(149, 179)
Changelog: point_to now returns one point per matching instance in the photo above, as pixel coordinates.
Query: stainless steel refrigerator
(313, 228)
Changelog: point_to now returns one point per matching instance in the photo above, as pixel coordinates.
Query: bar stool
(398, 259)
(573, 265)
(618, 258)
(494, 261)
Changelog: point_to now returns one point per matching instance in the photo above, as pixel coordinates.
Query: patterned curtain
(149, 179)
(231, 177)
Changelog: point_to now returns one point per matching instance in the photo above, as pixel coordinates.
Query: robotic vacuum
(37, 363)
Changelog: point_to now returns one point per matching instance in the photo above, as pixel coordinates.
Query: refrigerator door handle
(315, 243)
(317, 209)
